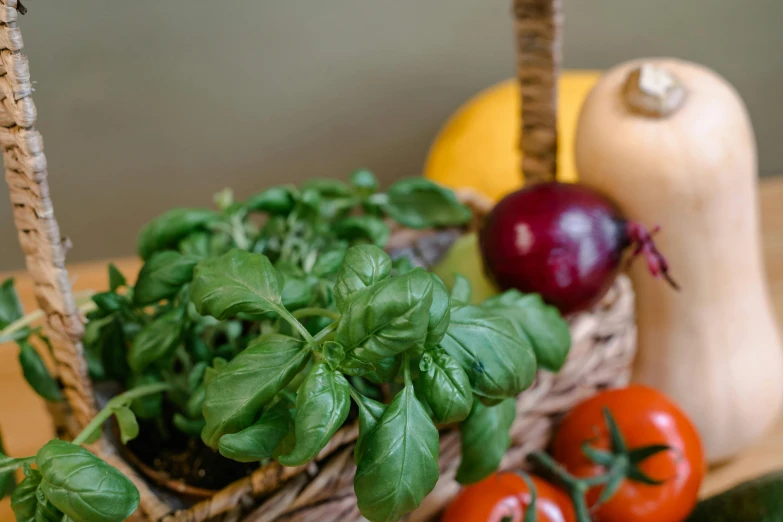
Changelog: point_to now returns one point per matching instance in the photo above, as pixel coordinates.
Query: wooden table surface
(25, 424)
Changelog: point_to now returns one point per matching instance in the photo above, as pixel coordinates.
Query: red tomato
(645, 417)
(506, 495)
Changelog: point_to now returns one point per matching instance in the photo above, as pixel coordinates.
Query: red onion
(563, 241)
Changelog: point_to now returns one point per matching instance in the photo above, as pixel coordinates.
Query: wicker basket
(603, 339)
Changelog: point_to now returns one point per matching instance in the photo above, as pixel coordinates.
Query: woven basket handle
(39, 234)
(538, 25)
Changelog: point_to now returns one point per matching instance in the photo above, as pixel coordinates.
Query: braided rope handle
(538, 25)
(39, 234)
(43, 246)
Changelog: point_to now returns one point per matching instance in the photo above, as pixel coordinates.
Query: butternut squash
(672, 144)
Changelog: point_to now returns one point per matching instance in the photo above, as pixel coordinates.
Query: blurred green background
(149, 104)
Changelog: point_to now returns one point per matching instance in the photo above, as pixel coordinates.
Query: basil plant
(258, 334)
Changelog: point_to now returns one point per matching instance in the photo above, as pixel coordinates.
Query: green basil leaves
(7, 479)
(322, 405)
(10, 306)
(166, 230)
(162, 276)
(156, 341)
(238, 390)
(23, 499)
(262, 440)
(36, 374)
(543, 325)
(363, 266)
(420, 203)
(446, 387)
(236, 282)
(398, 464)
(252, 329)
(387, 318)
(83, 486)
(499, 363)
(485, 439)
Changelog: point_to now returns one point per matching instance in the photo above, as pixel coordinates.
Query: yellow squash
(478, 146)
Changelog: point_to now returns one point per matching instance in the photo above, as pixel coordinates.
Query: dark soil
(187, 459)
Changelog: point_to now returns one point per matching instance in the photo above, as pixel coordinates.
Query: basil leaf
(259, 441)
(93, 350)
(37, 374)
(247, 383)
(365, 181)
(446, 387)
(399, 462)
(384, 370)
(166, 230)
(109, 302)
(328, 187)
(461, 291)
(402, 265)
(274, 200)
(10, 306)
(329, 261)
(333, 353)
(197, 245)
(111, 346)
(369, 228)
(485, 439)
(236, 282)
(211, 372)
(364, 265)
(129, 426)
(196, 376)
(116, 279)
(440, 312)
(83, 486)
(335, 197)
(7, 478)
(498, 361)
(354, 367)
(195, 402)
(419, 203)
(322, 405)
(370, 413)
(162, 276)
(157, 341)
(23, 500)
(297, 293)
(45, 510)
(387, 318)
(541, 323)
(149, 406)
(190, 427)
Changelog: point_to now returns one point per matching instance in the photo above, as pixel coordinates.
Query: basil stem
(324, 334)
(35, 315)
(299, 327)
(123, 398)
(316, 312)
